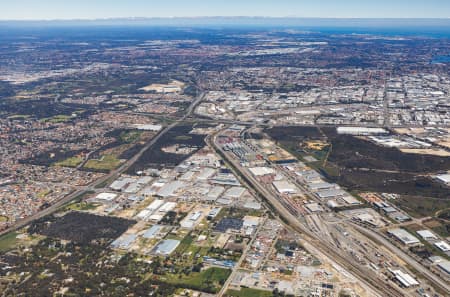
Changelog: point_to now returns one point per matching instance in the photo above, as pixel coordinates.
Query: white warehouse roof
(361, 130)
(426, 234)
(284, 186)
(260, 171)
(404, 236)
(404, 278)
(234, 192)
(443, 246)
(155, 205)
(106, 196)
(169, 189)
(445, 178)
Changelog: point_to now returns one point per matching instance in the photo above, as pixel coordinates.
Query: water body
(441, 59)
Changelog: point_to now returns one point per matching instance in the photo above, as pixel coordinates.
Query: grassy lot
(70, 162)
(106, 163)
(57, 119)
(130, 136)
(248, 292)
(419, 206)
(443, 230)
(42, 194)
(209, 280)
(439, 226)
(3, 219)
(18, 117)
(82, 206)
(184, 244)
(8, 241)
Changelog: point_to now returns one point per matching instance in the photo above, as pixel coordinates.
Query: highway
(364, 275)
(434, 279)
(110, 176)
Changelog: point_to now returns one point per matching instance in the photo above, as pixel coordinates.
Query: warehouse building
(443, 246)
(285, 187)
(124, 242)
(427, 235)
(169, 189)
(404, 279)
(403, 236)
(445, 266)
(166, 247)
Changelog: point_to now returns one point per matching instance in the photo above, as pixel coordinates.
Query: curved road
(372, 283)
(112, 175)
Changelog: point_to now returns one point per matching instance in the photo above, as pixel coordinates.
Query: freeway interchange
(347, 245)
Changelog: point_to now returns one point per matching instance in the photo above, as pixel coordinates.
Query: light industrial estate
(224, 162)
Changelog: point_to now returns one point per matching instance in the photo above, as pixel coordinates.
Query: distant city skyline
(100, 9)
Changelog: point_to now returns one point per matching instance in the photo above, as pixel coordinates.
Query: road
(360, 273)
(110, 176)
(434, 279)
(239, 263)
(405, 257)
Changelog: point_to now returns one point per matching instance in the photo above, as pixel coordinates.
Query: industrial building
(443, 246)
(192, 220)
(261, 171)
(152, 232)
(314, 207)
(445, 266)
(427, 235)
(169, 189)
(444, 178)
(105, 197)
(234, 192)
(166, 247)
(363, 131)
(404, 236)
(124, 242)
(285, 187)
(405, 279)
(325, 194)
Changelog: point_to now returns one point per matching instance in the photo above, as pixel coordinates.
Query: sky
(98, 9)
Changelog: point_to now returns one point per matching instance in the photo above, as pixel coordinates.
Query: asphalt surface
(360, 273)
(110, 176)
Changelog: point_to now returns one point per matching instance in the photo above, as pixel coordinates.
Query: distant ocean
(441, 59)
(432, 28)
(433, 32)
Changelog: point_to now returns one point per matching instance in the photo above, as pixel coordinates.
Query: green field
(57, 119)
(209, 280)
(8, 241)
(82, 206)
(248, 292)
(70, 162)
(443, 230)
(106, 163)
(42, 194)
(130, 136)
(18, 117)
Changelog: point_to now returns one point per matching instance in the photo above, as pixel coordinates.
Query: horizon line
(223, 17)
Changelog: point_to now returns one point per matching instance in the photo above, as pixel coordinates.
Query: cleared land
(360, 165)
(105, 163)
(248, 292)
(8, 241)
